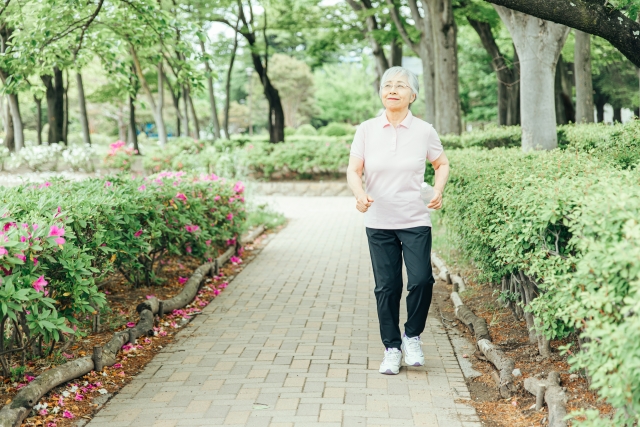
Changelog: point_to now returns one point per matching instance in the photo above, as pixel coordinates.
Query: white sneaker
(391, 363)
(413, 355)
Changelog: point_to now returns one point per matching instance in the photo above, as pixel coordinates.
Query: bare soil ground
(71, 404)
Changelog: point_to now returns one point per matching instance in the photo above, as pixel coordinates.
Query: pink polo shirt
(394, 164)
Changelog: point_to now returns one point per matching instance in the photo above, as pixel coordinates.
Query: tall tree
(82, 103)
(16, 139)
(600, 18)
(156, 107)
(584, 77)
(423, 46)
(539, 44)
(212, 98)
(507, 74)
(54, 85)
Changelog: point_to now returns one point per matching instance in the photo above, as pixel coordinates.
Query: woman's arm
(354, 179)
(441, 166)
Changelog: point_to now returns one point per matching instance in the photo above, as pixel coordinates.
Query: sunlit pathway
(294, 341)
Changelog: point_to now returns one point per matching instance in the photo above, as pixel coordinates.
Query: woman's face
(396, 93)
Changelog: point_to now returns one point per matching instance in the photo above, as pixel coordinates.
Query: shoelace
(413, 345)
(391, 356)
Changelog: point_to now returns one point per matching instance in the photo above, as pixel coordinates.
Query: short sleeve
(434, 146)
(357, 146)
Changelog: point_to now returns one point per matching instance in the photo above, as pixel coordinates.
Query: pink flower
(52, 424)
(9, 225)
(43, 412)
(21, 257)
(216, 198)
(39, 284)
(230, 216)
(150, 296)
(67, 414)
(191, 228)
(45, 185)
(58, 213)
(137, 233)
(3, 251)
(131, 325)
(162, 333)
(216, 292)
(35, 226)
(35, 261)
(23, 239)
(238, 187)
(117, 366)
(127, 347)
(231, 242)
(29, 378)
(207, 242)
(181, 196)
(224, 285)
(68, 356)
(56, 231)
(108, 184)
(235, 260)
(189, 249)
(79, 397)
(60, 401)
(182, 280)
(142, 187)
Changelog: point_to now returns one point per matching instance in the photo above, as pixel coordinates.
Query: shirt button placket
(394, 141)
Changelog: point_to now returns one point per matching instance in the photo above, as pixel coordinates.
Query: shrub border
(12, 414)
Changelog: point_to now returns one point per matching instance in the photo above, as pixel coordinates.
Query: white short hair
(395, 71)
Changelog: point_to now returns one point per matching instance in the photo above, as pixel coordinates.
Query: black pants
(387, 248)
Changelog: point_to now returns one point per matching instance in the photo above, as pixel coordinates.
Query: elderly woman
(393, 149)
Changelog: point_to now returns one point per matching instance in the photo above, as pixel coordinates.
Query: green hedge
(572, 223)
(105, 225)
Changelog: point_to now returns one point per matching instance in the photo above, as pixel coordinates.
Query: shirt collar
(405, 123)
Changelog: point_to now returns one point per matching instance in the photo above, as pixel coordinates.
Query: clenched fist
(363, 202)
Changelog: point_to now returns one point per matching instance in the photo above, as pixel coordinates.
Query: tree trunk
(276, 113)
(175, 97)
(447, 93)
(122, 124)
(617, 117)
(428, 83)
(561, 111)
(227, 100)
(55, 105)
(538, 44)
(600, 103)
(38, 102)
(133, 134)
(16, 119)
(584, 80)
(185, 103)
(84, 119)
(212, 99)
(196, 126)
(508, 76)
(395, 54)
(9, 140)
(65, 111)
(156, 107)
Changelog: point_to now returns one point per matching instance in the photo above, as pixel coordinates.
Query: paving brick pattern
(293, 341)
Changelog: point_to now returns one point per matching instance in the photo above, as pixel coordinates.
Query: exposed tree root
(553, 394)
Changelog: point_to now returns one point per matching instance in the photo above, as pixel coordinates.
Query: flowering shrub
(570, 222)
(79, 158)
(62, 237)
(38, 156)
(119, 156)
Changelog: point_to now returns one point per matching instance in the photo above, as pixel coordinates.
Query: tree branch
(395, 15)
(591, 16)
(85, 26)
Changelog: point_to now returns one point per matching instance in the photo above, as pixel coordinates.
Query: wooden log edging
(12, 414)
(478, 327)
(553, 394)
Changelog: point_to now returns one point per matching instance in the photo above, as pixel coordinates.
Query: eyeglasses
(399, 86)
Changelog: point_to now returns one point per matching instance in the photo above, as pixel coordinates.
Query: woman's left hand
(436, 202)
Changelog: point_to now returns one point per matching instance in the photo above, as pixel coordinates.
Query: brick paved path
(294, 341)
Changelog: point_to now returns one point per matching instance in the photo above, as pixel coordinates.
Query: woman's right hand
(364, 202)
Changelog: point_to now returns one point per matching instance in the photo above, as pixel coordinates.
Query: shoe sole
(405, 359)
(389, 372)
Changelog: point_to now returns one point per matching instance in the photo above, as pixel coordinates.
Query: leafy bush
(337, 129)
(289, 131)
(119, 156)
(62, 237)
(306, 130)
(79, 158)
(5, 154)
(490, 137)
(554, 217)
(179, 154)
(37, 157)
